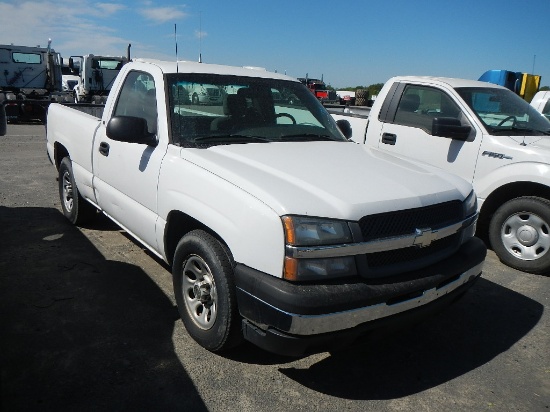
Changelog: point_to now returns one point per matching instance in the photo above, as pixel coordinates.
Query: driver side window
(138, 98)
(419, 105)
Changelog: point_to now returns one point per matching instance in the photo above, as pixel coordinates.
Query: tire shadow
(483, 324)
(81, 332)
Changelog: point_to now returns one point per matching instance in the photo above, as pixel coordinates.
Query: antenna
(200, 37)
(176, 41)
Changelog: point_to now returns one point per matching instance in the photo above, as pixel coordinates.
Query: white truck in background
(252, 205)
(69, 77)
(482, 132)
(541, 103)
(96, 76)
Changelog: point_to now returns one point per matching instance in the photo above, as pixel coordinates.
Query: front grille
(405, 222)
(411, 254)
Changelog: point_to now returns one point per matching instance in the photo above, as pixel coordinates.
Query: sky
(348, 43)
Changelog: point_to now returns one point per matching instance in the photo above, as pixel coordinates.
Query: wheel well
(177, 225)
(508, 192)
(60, 152)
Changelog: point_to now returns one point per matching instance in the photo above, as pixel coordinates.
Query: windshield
(207, 109)
(504, 112)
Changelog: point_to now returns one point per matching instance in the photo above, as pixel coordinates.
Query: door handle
(389, 138)
(104, 148)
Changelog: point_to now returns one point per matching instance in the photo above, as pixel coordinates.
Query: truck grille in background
(405, 222)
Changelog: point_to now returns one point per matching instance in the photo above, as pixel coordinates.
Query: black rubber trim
(259, 293)
(280, 343)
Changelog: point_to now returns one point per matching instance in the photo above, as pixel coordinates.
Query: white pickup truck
(277, 228)
(541, 103)
(482, 132)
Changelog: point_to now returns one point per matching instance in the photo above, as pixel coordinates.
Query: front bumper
(294, 319)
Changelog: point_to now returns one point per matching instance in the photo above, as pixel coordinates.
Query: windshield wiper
(520, 130)
(230, 139)
(308, 137)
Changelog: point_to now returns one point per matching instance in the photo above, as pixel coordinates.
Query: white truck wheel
(520, 234)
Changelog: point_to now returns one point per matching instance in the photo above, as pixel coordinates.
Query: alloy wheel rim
(199, 292)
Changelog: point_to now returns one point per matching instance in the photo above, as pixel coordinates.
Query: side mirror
(71, 63)
(345, 128)
(3, 120)
(130, 129)
(450, 127)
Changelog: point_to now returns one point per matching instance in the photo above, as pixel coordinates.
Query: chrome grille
(405, 222)
(411, 254)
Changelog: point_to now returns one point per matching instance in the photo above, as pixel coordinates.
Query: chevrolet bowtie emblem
(424, 237)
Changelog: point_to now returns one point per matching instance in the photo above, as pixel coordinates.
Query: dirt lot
(88, 322)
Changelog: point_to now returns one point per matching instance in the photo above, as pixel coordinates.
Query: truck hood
(327, 179)
(526, 148)
(542, 142)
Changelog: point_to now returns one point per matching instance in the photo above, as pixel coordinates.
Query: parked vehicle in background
(346, 97)
(252, 205)
(484, 133)
(320, 90)
(69, 77)
(96, 76)
(30, 78)
(523, 84)
(541, 103)
(204, 94)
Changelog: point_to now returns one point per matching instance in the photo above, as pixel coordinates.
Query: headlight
(470, 209)
(470, 204)
(319, 269)
(312, 231)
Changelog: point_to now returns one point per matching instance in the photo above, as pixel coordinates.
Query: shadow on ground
(486, 322)
(80, 332)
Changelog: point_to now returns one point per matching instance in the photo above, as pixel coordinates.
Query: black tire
(3, 119)
(202, 275)
(75, 208)
(520, 234)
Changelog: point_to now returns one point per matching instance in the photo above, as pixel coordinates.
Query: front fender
(252, 231)
(535, 172)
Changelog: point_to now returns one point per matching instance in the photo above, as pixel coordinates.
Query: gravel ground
(88, 322)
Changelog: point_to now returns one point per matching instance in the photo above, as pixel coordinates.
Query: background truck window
(419, 105)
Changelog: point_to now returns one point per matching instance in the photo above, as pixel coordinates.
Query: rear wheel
(520, 234)
(202, 276)
(75, 208)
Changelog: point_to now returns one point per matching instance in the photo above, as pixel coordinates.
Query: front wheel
(202, 276)
(75, 207)
(520, 234)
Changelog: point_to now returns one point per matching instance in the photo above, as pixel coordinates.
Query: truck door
(407, 131)
(126, 174)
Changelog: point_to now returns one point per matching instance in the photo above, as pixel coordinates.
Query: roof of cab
(195, 67)
(453, 82)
